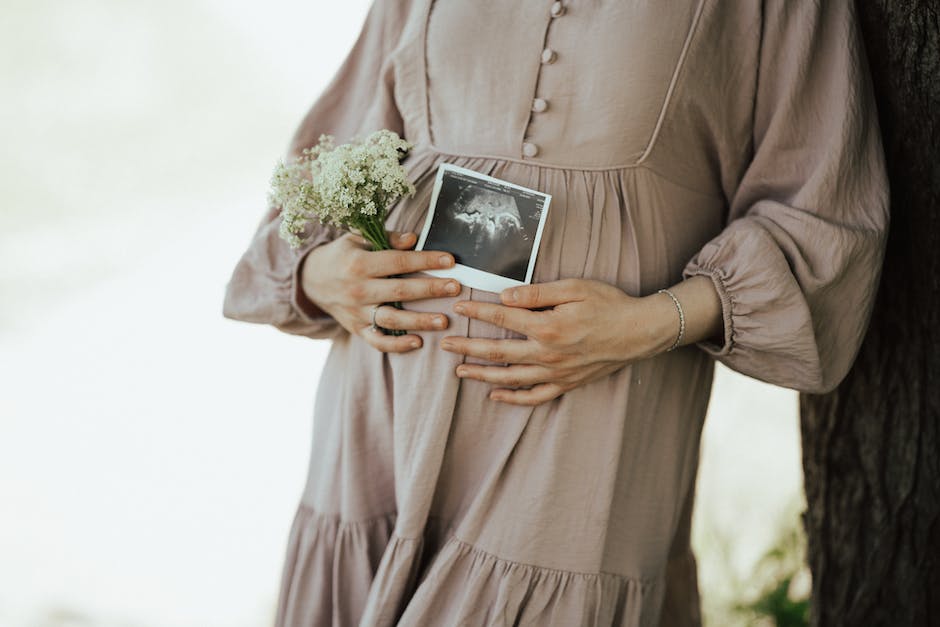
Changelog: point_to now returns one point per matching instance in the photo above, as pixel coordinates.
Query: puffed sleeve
(264, 286)
(799, 261)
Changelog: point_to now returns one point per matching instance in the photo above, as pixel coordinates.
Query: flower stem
(375, 233)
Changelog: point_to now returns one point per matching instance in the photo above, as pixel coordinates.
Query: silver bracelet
(681, 318)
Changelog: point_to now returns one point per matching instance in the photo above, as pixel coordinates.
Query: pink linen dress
(736, 139)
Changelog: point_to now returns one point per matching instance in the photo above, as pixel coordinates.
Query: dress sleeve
(265, 287)
(798, 264)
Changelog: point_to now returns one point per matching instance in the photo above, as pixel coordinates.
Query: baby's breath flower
(349, 186)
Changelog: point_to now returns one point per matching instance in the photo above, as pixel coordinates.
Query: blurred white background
(152, 452)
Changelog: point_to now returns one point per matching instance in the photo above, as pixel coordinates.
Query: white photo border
(473, 277)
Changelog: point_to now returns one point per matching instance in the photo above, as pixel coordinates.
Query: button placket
(539, 105)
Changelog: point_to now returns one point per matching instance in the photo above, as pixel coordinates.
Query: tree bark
(871, 448)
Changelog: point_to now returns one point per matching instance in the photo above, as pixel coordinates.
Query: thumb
(542, 294)
(402, 241)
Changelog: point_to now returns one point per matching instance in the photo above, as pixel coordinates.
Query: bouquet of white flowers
(349, 186)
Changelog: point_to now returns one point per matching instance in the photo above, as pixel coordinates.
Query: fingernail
(509, 296)
(445, 261)
(446, 345)
(440, 322)
(453, 288)
(415, 343)
(461, 371)
(460, 308)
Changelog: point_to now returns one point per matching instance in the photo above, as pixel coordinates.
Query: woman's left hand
(590, 330)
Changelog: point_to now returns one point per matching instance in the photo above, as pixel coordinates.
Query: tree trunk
(871, 449)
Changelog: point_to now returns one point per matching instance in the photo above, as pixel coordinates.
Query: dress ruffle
(439, 579)
(468, 586)
(329, 567)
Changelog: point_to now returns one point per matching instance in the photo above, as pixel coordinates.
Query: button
(539, 105)
(558, 9)
(548, 56)
(529, 149)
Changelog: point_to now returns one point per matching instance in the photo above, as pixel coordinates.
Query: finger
(536, 395)
(389, 343)
(506, 376)
(354, 240)
(402, 241)
(497, 351)
(394, 318)
(543, 294)
(512, 318)
(391, 290)
(383, 263)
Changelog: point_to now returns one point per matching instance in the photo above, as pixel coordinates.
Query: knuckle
(356, 292)
(397, 320)
(430, 260)
(400, 263)
(547, 333)
(399, 290)
(357, 264)
(494, 354)
(498, 318)
(384, 317)
(531, 295)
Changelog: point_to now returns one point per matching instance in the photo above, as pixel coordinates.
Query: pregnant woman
(529, 457)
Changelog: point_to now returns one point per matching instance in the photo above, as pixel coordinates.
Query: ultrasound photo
(492, 227)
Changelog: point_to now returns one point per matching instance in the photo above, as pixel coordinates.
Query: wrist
(302, 295)
(665, 323)
(649, 328)
(697, 314)
(680, 334)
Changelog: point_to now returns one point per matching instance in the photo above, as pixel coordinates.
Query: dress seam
(316, 514)
(426, 95)
(431, 148)
(472, 548)
(680, 63)
(533, 162)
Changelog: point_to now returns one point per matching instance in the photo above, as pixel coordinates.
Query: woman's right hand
(346, 279)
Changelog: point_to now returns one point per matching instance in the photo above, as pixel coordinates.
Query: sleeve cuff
(727, 309)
